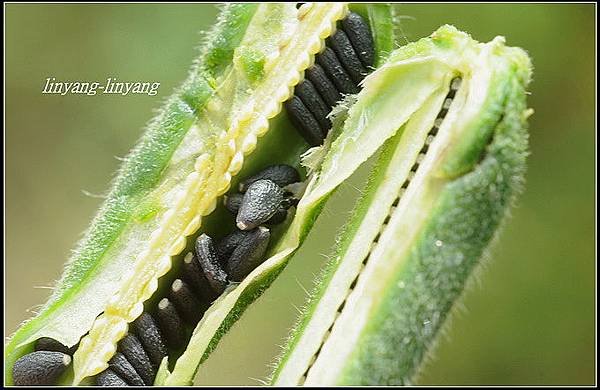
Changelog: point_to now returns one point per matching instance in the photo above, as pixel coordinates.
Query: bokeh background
(530, 319)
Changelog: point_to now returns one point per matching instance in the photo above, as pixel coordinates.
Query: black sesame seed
(342, 47)
(193, 274)
(40, 368)
(123, 368)
(187, 304)
(170, 323)
(227, 244)
(280, 174)
(109, 378)
(304, 121)
(323, 85)
(49, 344)
(232, 202)
(133, 350)
(307, 92)
(209, 263)
(336, 72)
(261, 201)
(359, 34)
(147, 331)
(249, 254)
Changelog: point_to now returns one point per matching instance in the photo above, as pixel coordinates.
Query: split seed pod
(441, 187)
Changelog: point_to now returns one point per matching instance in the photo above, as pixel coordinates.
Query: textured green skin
(140, 172)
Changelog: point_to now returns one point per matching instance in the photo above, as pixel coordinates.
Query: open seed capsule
(40, 368)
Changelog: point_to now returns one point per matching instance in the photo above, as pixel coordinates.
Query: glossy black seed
(304, 121)
(232, 202)
(210, 264)
(227, 244)
(280, 174)
(49, 344)
(121, 366)
(40, 368)
(307, 92)
(147, 331)
(342, 47)
(323, 85)
(171, 325)
(133, 350)
(187, 305)
(336, 72)
(193, 274)
(249, 254)
(359, 34)
(261, 201)
(109, 378)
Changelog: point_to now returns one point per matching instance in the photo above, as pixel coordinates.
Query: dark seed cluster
(346, 60)
(205, 276)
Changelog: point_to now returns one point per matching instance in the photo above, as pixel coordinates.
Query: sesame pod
(134, 352)
(40, 368)
(189, 156)
(443, 182)
(147, 331)
(248, 254)
(124, 370)
(110, 378)
(261, 201)
(280, 174)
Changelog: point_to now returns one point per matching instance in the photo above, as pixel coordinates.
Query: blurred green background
(529, 319)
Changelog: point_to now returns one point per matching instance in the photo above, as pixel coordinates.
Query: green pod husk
(416, 235)
(167, 188)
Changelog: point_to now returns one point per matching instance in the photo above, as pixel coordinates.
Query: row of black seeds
(348, 57)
